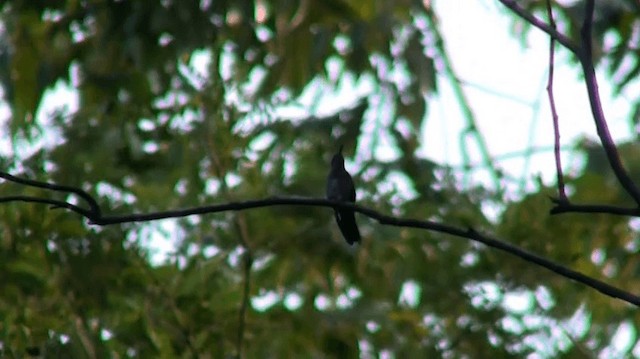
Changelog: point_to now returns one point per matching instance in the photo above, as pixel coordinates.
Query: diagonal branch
(586, 60)
(584, 54)
(466, 233)
(550, 30)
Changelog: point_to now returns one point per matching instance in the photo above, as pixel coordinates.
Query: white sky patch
(159, 238)
(343, 302)
(624, 338)
(578, 325)
(469, 259)
(636, 350)
(210, 251)
(115, 194)
(519, 115)
(410, 294)
(293, 301)
(265, 300)
(232, 180)
(196, 71)
(512, 324)
(64, 339)
(5, 138)
(484, 294)
(106, 334)
(518, 302)
(62, 100)
(59, 100)
(544, 298)
(372, 326)
(322, 302)
(234, 256)
(212, 186)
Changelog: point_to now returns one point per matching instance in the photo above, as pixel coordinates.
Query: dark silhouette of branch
(468, 233)
(53, 202)
(584, 54)
(551, 31)
(586, 60)
(566, 207)
(93, 205)
(554, 113)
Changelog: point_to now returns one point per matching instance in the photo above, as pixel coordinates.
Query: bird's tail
(347, 224)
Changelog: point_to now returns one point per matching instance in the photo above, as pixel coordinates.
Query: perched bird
(340, 188)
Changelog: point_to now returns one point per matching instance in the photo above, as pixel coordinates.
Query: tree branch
(586, 60)
(566, 207)
(554, 112)
(469, 233)
(93, 205)
(584, 54)
(551, 31)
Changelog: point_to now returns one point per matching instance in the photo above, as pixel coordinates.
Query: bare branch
(584, 54)
(93, 205)
(554, 112)
(551, 31)
(469, 233)
(54, 203)
(566, 207)
(586, 60)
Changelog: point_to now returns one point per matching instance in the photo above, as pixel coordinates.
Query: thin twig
(554, 113)
(53, 202)
(584, 54)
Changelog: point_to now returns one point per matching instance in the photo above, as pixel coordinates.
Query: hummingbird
(340, 188)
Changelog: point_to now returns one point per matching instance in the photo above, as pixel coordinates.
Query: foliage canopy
(180, 104)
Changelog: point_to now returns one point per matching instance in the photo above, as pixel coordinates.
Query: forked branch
(95, 217)
(584, 54)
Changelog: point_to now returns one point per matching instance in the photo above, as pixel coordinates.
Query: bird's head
(337, 162)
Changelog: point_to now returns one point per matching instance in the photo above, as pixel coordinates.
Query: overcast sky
(507, 90)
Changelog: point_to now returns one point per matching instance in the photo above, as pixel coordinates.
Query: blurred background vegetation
(180, 104)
